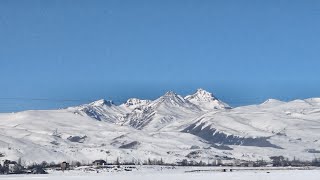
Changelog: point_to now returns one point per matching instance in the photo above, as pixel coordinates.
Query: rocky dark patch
(213, 136)
(131, 145)
(78, 139)
(312, 151)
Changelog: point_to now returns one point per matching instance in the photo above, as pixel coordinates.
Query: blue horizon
(65, 103)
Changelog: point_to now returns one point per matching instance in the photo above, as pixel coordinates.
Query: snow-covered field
(177, 174)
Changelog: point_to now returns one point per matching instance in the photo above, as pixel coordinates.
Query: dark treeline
(280, 161)
(13, 167)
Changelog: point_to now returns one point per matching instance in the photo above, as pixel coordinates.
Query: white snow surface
(182, 173)
(171, 127)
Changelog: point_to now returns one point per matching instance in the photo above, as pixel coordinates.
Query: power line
(44, 99)
(119, 98)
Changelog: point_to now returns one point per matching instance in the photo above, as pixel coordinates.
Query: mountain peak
(204, 95)
(102, 102)
(133, 101)
(136, 101)
(201, 95)
(272, 102)
(170, 97)
(201, 90)
(206, 100)
(170, 93)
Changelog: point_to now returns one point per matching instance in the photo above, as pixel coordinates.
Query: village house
(10, 167)
(99, 163)
(64, 166)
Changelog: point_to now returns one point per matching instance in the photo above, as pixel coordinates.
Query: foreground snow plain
(185, 173)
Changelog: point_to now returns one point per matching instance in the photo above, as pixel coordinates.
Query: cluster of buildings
(9, 167)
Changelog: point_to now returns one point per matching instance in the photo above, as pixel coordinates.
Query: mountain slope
(60, 135)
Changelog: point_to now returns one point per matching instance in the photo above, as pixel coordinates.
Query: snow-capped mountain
(206, 101)
(146, 114)
(172, 127)
(101, 110)
(171, 99)
(134, 103)
(160, 113)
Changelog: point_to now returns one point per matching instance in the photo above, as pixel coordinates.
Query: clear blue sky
(243, 51)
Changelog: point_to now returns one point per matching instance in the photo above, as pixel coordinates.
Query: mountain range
(196, 127)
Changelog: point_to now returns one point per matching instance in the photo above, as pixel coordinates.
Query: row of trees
(282, 161)
(277, 161)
